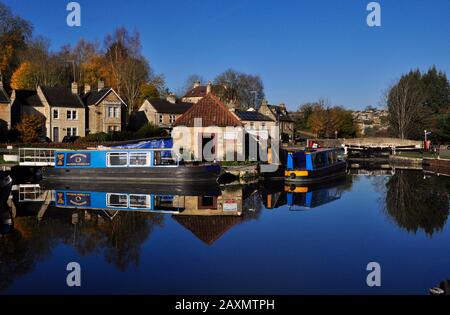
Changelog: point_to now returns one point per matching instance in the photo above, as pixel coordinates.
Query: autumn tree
(30, 128)
(325, 120)
(14, 35)
(39, 66)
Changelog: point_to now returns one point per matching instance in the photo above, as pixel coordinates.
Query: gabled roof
(59, 96)
(279, 113)
(251, 116)
(208, 228)
(166, 107)
(4, 97)
(27, 98)
(201, 90)
(95, 97)
(212, 112)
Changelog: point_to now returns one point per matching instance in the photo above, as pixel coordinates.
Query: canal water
(265, 238)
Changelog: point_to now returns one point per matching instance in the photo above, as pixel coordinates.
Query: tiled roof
(200, 91)
(166, 107)
(212, 112)
(208, 228)
(279, 113)
(61, 97)
(27, 98)
(251, 116)
(93, 97)
(4, 97)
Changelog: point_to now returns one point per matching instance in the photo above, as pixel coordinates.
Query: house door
(209, 143)
(55, 134)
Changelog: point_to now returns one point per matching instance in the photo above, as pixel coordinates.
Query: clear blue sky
(303, 50)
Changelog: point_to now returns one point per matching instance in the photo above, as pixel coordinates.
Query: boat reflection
(300, 197)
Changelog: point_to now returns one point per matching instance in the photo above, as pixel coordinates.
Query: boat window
(319, 160)
(139, 159)
(163, 158)
(117, 200)
(140, 201)
(117, 159)
(299, 160)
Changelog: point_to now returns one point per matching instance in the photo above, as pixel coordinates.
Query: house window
(263, 125)
(72, 131)
(55, 114)
(252, 124)
(71, 115)
(161, 119)
(113, 129)
(113, 112)
(172, 119)
(117, 200)
(139, 159)
(117, 159)
(140, 201)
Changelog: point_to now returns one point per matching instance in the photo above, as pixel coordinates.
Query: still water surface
(255, 239)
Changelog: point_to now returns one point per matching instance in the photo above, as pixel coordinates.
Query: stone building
(5, 109)
(199, 91)
(162, 113)
(61, 109)
(105, 109)
(280, 115)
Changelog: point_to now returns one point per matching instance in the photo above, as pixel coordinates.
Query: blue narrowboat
(311, 166)
(93, 200)
(129, 165)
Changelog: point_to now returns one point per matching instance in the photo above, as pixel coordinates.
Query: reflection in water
(417, 203)
(304, 196)
(114, 222)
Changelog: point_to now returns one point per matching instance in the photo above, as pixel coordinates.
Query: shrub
(30, 128)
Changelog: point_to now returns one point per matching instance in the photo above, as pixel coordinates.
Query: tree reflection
(416, 203)
(30, 241)
(120, 238)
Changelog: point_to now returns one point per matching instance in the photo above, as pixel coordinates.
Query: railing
(33, 193)
(37, 157)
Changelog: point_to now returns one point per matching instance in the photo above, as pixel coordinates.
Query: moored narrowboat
(129, 165)
(311, 166)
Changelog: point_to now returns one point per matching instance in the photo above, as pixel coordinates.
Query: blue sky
(303, 50)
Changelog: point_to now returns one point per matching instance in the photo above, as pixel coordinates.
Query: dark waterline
(399, 221)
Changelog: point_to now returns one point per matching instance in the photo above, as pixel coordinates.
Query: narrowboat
(109, 201)
(129, 165)
(310, 166)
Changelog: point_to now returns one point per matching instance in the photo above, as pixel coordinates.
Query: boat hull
(316, 176)
(160, 175)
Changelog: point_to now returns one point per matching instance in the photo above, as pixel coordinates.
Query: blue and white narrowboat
(128, 165)
(108, 201)
(310, 166)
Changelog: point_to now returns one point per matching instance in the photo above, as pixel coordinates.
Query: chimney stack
(74, 88)
(282, 107)
(264, 102)
(100, 85)
(209, 88)
(87, 88)
(171, 98)
(196, 84)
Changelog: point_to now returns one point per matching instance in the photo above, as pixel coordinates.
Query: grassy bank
(422, 155)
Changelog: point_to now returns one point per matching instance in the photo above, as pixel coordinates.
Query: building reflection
(113, 221)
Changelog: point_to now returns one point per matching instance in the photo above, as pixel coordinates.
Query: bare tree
(405, 105)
